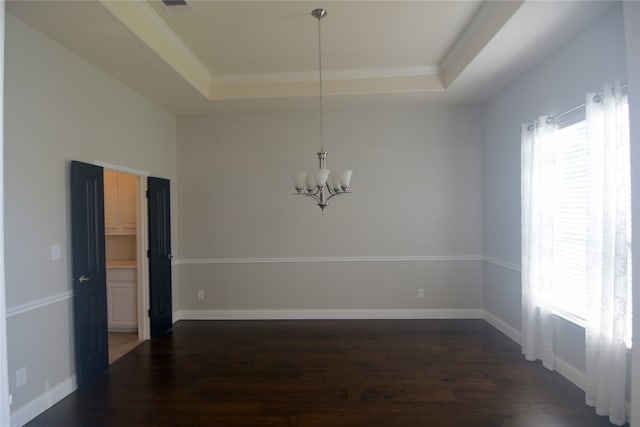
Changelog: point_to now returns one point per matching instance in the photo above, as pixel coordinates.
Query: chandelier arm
(312, 195)
(304, 193)
(315, 196)
(337, 194)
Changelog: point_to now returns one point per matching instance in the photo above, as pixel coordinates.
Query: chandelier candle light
(322, 185)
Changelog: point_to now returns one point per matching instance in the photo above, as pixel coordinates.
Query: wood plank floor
(121, 343)
(435, 373)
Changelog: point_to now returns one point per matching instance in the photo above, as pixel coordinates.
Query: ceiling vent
(176, 5)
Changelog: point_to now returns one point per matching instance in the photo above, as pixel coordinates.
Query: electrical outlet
(420, 293)
(200, 294)
(55, 252)
(21, 377)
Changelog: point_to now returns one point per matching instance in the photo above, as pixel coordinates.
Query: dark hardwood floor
(435, 373)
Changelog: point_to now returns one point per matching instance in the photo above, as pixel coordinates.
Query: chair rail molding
(284, 260)
(39, 303)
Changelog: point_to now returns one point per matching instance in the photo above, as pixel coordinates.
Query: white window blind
(570, 222)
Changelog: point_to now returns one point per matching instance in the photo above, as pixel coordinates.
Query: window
(576, 235)
(570, 224)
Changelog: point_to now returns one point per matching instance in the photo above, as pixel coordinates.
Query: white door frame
(144, 327)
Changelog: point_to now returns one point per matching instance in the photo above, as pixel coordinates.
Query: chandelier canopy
(322, 184)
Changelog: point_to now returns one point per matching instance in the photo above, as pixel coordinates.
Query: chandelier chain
(320, 84)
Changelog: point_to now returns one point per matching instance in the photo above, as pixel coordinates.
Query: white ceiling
(219, 56)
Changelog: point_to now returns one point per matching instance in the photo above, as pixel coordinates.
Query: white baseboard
(579, 378)
(570, 372)
(26, 413)
(460, 313)
(503, 327)
(561, 366)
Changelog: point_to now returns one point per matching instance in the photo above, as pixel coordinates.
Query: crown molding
(328, 75)
(485, 24)
(140, 18)
(360, 86)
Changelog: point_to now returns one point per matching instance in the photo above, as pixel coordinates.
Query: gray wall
(416, 193)
(594, 57)
(59, 108)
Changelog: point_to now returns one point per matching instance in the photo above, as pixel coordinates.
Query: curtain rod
(596, 98)
(550, 119)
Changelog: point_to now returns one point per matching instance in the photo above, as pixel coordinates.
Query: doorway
(153, 285)
(153, 264)
(125, 225)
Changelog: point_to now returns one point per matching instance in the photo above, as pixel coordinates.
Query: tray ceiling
(218, 56)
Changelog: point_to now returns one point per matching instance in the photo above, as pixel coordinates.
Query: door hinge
(146, 193)
(148, 253)
(149, 312)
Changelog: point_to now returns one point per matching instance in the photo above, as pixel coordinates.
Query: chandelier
(321, 185)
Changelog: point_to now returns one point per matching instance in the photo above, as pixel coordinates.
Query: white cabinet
(122, 299)
(120, 191)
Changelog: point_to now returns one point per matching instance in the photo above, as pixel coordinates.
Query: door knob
(84, 278)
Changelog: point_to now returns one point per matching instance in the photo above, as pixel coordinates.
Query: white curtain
(608, 253)
(538, 172)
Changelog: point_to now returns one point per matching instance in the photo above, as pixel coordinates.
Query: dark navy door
(89, 273)
(159, 205)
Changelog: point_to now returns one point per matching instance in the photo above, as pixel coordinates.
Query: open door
(89, 273)
(160, 311)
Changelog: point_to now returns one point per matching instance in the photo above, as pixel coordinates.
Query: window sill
(576, 320)
(565, 315)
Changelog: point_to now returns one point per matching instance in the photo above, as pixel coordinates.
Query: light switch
(55, 252)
